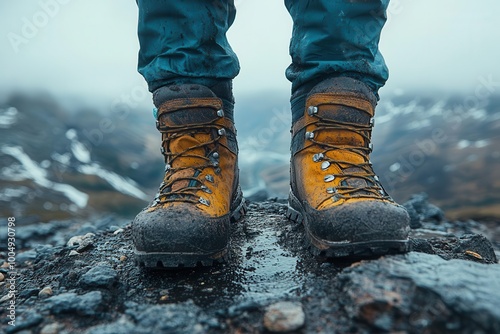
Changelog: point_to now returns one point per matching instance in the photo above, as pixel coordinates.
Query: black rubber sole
(172, 261)
(165, 261)
(347, 250)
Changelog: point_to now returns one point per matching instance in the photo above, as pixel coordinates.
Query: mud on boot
(188, 222)
(334, 191)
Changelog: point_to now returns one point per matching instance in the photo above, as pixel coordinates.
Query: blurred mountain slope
(57, 163)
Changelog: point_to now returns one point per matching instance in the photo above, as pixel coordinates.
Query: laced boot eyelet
(309, 135)
(220, 113)
(325, 165)
(209, 178)
(329, 178)
(318, 157)
(312, 110)
(206, 189)
(204, 201)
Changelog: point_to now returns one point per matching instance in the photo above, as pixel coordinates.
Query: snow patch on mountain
(31, 170)
(8, 117)
(122, 184)
(80, 152)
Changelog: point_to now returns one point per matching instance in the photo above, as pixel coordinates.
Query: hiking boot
(188, 222)
(334, 191)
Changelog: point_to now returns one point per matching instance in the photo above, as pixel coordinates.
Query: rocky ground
(76, 277)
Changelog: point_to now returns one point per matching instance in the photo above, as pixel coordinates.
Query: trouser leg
(185, 42)
(336, 38)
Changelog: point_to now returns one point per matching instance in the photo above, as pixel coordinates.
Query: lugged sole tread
(172, 261)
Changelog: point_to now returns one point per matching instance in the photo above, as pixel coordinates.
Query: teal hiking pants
(184, 41)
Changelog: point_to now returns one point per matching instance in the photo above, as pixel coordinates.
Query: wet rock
(31, 232)
(172, 318)
(26, 293)
(246, 306)
(420, 210)
(284, 317)
(101, 276)
(423, 293)
(6, 297)
(269, 261)
(421, 245)
(87, 304)
(27, 256)
(82, 241)
(73, 253)
(85, 229)
(470, 247)
(45, 292)
(119, 230)
(25, 321)
(414, 216)
(59, 239)
(467, 247)
(45, 252)
(121, 326)
(53, 328)
(3, 236)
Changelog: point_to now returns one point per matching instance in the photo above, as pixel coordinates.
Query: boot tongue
(183, 143)
(192, 158)
(189, 116)
(340, 113)
(343, 114)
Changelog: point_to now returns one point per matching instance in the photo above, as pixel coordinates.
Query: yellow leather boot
(188, 223)
(334, 191)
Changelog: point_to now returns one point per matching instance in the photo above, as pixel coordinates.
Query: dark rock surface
(421, 292)
(450, 282)
(100, 276)
(87, 304)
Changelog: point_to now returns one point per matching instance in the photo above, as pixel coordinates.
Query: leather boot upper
(331, 148)
(334, 190)
(200, 193)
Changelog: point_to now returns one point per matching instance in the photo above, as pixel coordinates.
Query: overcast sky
(89, 47)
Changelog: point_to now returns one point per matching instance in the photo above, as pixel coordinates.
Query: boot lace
(189, 193)
(364, 171)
